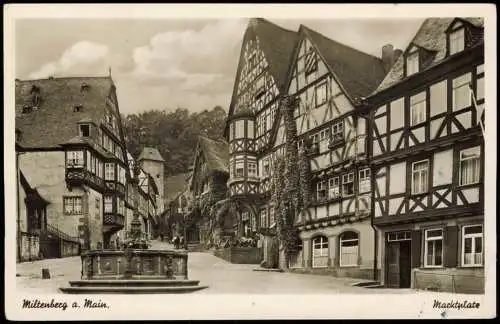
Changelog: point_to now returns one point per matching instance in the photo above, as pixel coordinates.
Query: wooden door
(392, 265)
(405, 264)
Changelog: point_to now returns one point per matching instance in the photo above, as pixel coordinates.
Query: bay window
(240, 129)
(472, 245)
(109, 171)
(75, 159)
(433, 254)
(272, 219)
(252, 169)
(263, 218)
(108, 204)
(420, 174)
(470, 165)
(239, 167)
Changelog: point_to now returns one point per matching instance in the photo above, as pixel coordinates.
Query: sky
(166, 64)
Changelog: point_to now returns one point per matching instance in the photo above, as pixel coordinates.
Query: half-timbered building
(330, 81)
(207, 185)
(72, 151)
(427, 152)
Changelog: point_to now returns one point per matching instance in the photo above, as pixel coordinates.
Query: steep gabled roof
(358, 73)
(432, 37)
(174, 185)
(216, 154)
(276, 43)
(31, 193)
(150, 153)
(55, 121)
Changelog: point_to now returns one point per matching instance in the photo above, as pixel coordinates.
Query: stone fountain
(135, 269)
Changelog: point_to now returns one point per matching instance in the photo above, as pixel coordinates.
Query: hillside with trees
(173, 133)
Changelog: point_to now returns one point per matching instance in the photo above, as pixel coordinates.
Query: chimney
(388, 56)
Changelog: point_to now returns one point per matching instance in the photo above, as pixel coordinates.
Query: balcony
(336, 140)
(113, 220)
(112, 186)
(77, 176)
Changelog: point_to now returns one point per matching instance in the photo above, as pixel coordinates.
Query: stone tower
(153, 163)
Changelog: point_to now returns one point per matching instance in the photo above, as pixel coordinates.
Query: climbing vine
(286, 192)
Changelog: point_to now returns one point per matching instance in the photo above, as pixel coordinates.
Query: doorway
(398, 260)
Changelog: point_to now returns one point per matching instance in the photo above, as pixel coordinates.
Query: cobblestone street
(219, 275)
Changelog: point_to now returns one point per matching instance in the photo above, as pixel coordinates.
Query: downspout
(372, 203)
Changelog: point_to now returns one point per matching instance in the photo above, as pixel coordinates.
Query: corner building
(427, 153)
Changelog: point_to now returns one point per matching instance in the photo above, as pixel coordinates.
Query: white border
(254, 306)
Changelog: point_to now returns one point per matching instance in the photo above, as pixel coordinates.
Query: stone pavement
(219, 275)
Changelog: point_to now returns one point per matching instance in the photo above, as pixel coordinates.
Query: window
(348, 184)
(108, 204)
(109, 171)
(321, 190)
(472, 245)
(412, 63)
(240, 129)
(311, 63)
(420, 173)
(349, 249)
(250, 129)
(457, 41)
(272, 219)
(433, 248)
(300, 144)
(320, 252)
(417, 109)
(338, 131)
(321, 94)
(85, 130)
(461, 92)
(74, 158)
(333, 188)
(263, 218)
(266, 167)
(240, 168)
(97, 203)
(252, 169)
(231, 131)
(469, 165)
(72, 205)
(364, 181)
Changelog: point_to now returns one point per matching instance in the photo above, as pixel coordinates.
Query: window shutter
(450, 246)
(416, 244)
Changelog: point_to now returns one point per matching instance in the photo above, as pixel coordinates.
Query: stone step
(130, 290)
(134, 283)
(374, 286)
(268, 269)
(365, 283)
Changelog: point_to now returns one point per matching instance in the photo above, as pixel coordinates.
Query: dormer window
(412, 63)
(457, 41)
(84, 130)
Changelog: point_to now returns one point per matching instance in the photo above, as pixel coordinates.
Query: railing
(449, 282)
(60, 234)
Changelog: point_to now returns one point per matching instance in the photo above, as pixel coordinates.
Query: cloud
(190, 59)
(78, 57)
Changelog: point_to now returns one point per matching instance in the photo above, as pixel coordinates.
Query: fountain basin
(133, 271)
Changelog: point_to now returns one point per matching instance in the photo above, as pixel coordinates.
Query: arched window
(320, 252)
(349, 249)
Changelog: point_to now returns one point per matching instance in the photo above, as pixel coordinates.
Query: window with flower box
(333, 188)
(348, 184)
(321, 191)
(364, 181)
